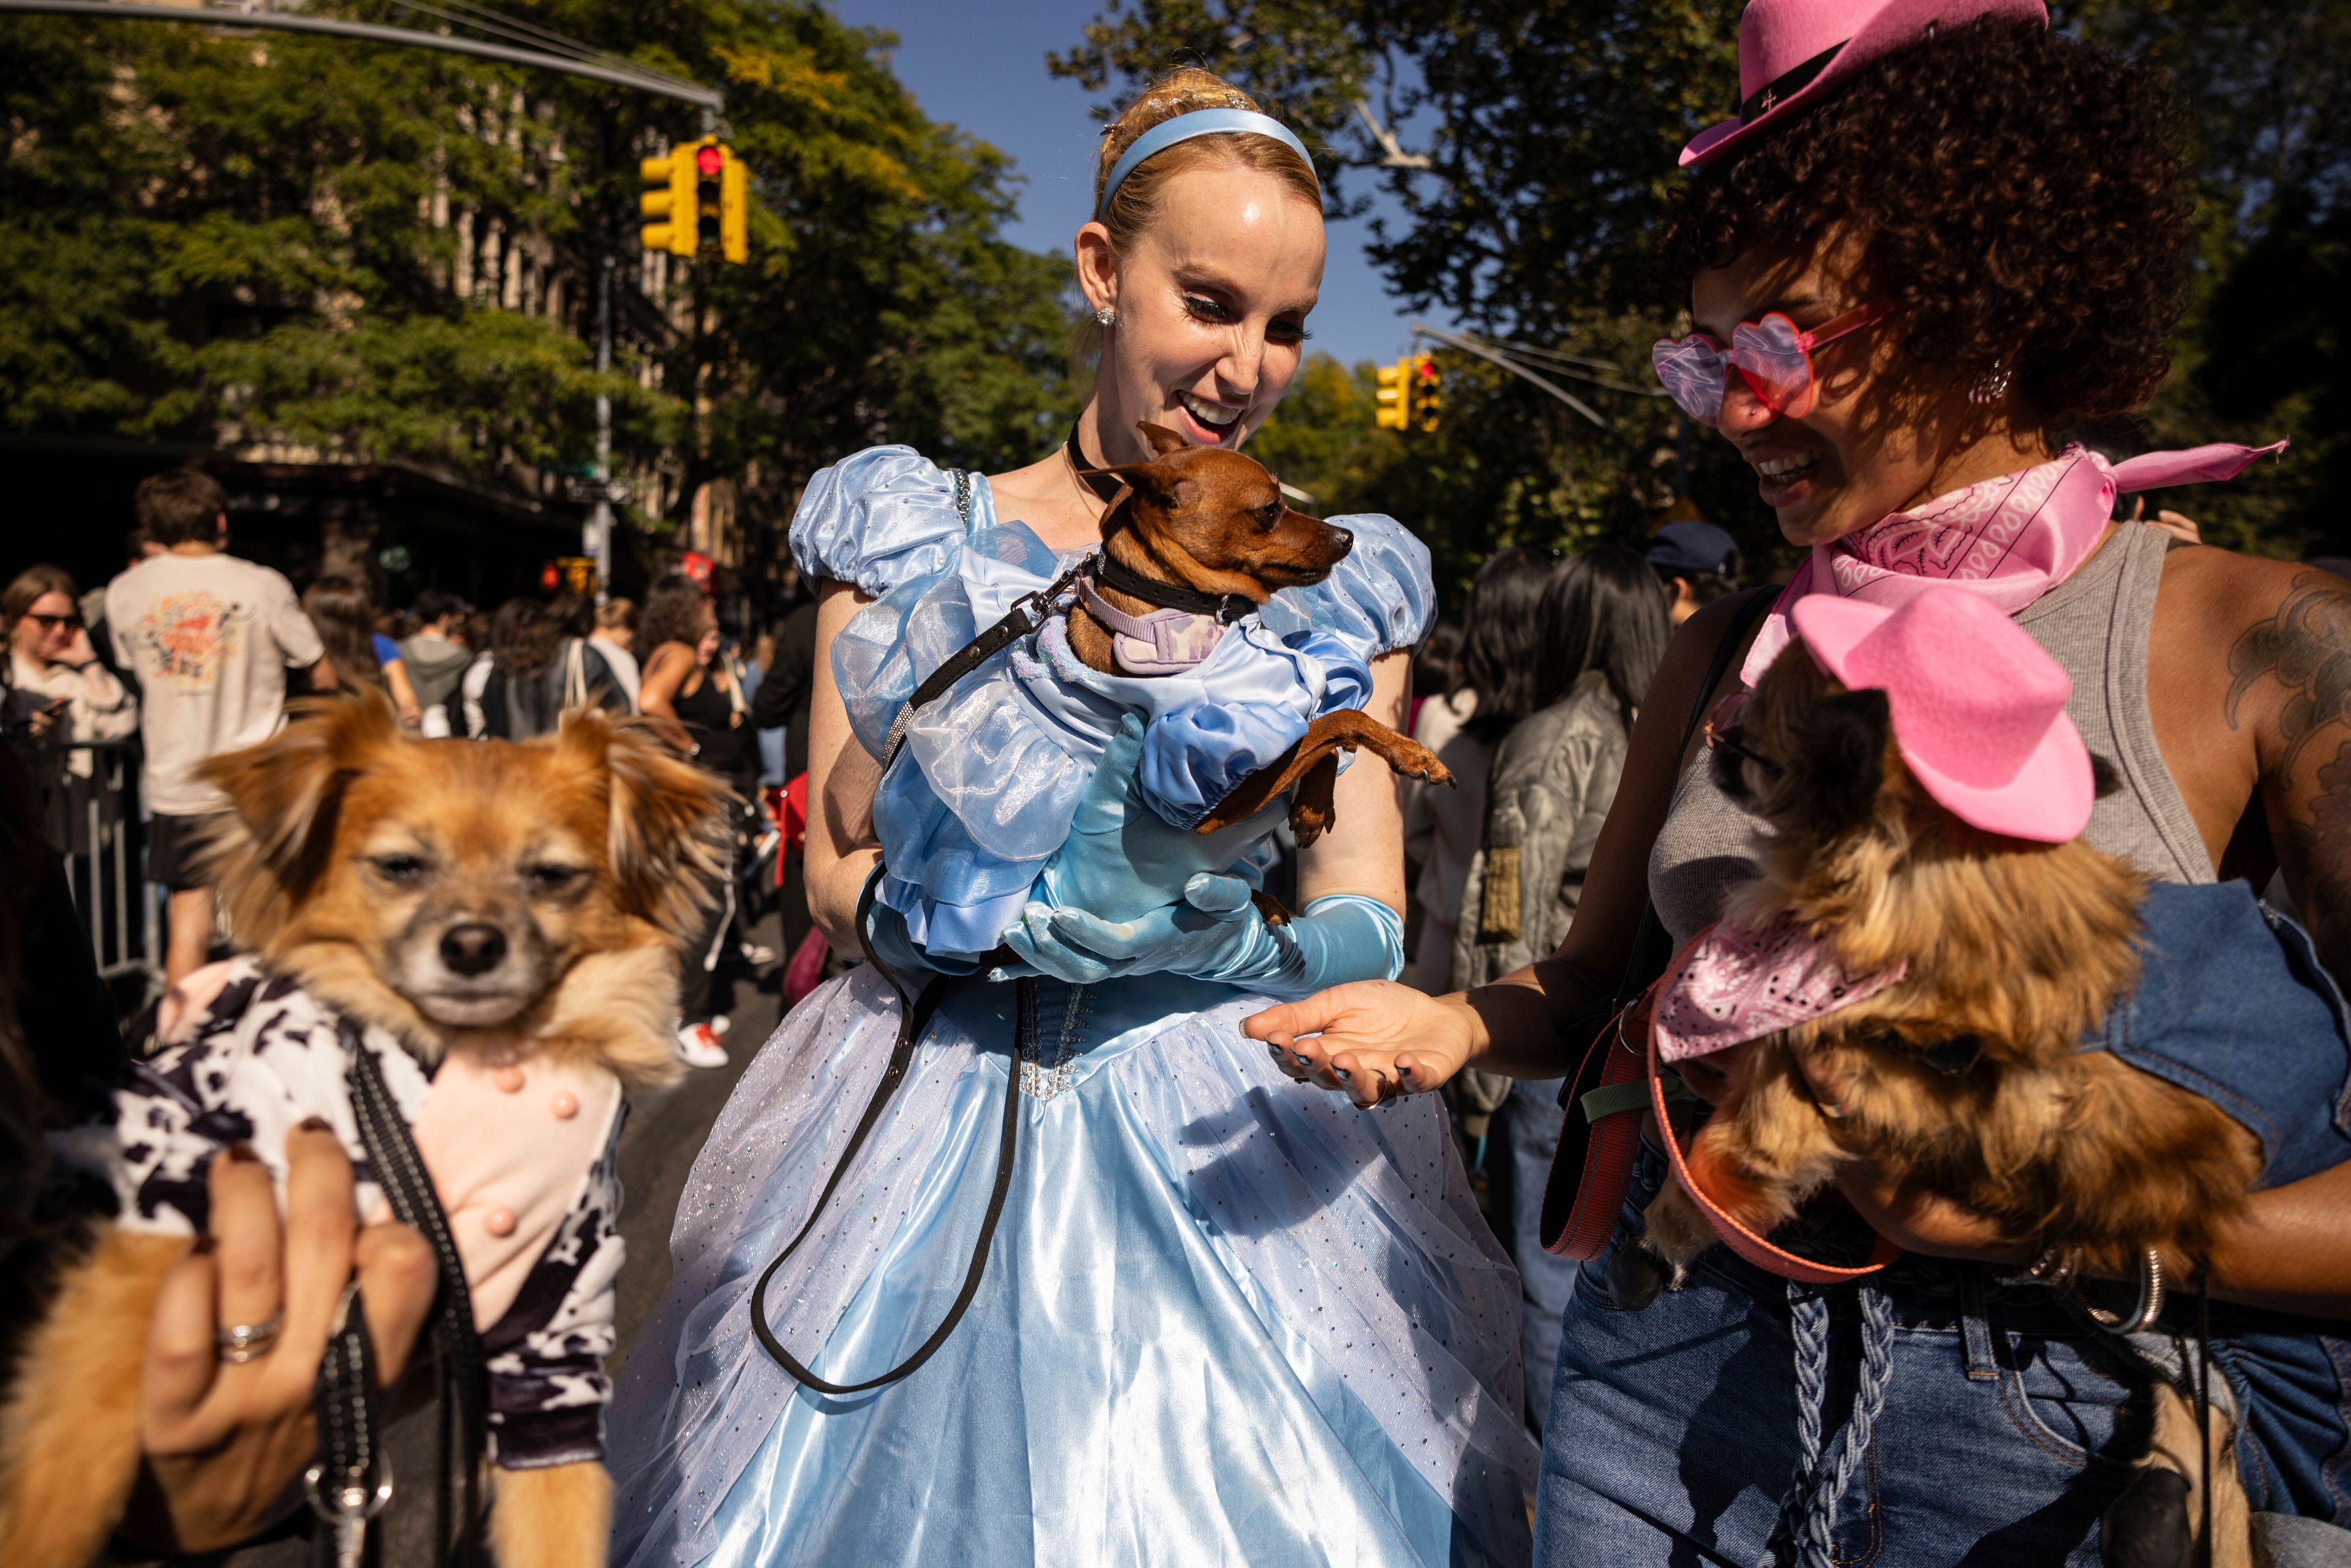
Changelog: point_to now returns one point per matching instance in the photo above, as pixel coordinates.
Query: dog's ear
(667, 834)
(1842, 755)
(286, 797)
(1164, 441)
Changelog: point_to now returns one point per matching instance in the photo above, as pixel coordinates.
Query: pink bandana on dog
(2011, 540)
(1731, 984)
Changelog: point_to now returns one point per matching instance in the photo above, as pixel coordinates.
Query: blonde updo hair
(1136, 204)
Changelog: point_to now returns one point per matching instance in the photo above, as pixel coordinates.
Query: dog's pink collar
(1164, 642)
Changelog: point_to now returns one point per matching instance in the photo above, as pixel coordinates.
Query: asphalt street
(664, 1134)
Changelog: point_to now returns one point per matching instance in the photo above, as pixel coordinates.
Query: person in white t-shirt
(210, 638)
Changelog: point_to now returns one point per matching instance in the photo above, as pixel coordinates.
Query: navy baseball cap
(1693, 547)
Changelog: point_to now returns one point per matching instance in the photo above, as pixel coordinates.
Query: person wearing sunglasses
(1936, 236)
(59, 694)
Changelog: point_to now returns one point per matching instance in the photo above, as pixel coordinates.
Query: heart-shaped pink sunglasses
(1773, 357)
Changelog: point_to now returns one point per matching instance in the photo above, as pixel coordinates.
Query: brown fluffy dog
(506, 899)
(1209, 519)
(1966, 1077)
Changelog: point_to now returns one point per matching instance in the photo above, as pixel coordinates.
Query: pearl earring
(1106, 315)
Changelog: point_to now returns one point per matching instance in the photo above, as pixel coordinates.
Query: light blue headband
(1183, 128)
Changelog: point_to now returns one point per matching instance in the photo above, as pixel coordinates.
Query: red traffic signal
(708, 160)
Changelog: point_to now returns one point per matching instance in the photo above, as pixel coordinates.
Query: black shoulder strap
(1653, 947)
(913, 1018)
(1028, 612)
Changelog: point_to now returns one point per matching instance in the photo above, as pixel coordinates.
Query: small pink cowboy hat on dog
(1794, 51)
(1979, 706)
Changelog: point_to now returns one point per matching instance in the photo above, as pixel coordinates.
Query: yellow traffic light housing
(669, 196)
(1393, 400)
(702, 193)
(1428, 388)
(734, 209)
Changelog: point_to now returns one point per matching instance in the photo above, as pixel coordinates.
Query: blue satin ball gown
(1224, 1320)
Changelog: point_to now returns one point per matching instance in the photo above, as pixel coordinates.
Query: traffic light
(702, 192)
(709, 158)
(670, 196)
(1394, 398)
(1428, 388)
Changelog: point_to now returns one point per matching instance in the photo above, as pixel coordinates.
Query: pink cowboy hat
(1793, 51)
(1979, 706)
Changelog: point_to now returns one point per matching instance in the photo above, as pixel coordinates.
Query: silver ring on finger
(241, 1343)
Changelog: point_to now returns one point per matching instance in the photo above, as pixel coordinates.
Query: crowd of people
(194, 652)
(1301, 1185)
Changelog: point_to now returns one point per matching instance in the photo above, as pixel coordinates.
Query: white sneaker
(758, 955)
(697, 1045)
(720, 1023)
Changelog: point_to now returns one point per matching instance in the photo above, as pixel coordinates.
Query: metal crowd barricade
(98, 819)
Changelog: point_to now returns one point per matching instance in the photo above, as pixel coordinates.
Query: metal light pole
(596, 542)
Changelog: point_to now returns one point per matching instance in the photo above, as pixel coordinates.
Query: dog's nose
(475, 949)
(1343, 538)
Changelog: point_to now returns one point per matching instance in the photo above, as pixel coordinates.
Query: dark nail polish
(242, 1154)
(1402, 1071)
(315, 1125)
(204, 1246)
(1344, 1076)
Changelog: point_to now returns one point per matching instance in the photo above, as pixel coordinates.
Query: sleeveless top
(2095, 625)
(709, 717)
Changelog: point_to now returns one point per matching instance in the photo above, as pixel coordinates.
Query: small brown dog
(505, 913)
(1212, 524)
(1966, 1076)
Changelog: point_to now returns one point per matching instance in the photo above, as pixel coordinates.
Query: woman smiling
(1201, 1318)
(1937, 237)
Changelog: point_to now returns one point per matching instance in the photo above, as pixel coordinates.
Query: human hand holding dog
(222, 1442)
(1154, 895)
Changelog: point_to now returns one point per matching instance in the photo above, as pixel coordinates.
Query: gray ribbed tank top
(2095, 624)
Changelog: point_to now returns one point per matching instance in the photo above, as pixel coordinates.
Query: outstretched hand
(1372, 1039)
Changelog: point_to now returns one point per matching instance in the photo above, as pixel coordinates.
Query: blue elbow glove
(886, 928)
(1339, 938)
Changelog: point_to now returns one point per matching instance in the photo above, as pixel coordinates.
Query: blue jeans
(2006, 1430)
(1546, 1283)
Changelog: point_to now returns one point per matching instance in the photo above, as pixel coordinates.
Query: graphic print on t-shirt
(190, 635)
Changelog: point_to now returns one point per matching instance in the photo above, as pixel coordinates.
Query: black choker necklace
(1104, 485)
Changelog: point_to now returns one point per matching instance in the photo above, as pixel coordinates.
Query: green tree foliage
(246, 238)
(1551, 133)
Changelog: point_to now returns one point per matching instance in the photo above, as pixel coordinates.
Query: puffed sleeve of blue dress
(993, 771)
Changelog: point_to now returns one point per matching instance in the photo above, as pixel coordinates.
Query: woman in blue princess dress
(1223, 1319)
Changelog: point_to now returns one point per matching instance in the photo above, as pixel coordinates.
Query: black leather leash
(1028, 611)
(353, 1482)
(915, 1016)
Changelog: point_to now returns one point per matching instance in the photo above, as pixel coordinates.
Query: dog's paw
(1637, 1276)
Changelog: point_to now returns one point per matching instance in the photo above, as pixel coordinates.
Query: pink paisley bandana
(1730, 986)
(2012, 539)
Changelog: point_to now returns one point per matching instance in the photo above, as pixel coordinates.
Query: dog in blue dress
(1221, 1321)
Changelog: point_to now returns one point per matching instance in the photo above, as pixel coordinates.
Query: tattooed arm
(2270, 783)
(2290, 686)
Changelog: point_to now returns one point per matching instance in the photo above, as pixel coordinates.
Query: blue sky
(982, 66)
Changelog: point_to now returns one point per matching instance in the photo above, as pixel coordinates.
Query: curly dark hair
(2024, 198)
(674, 612)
